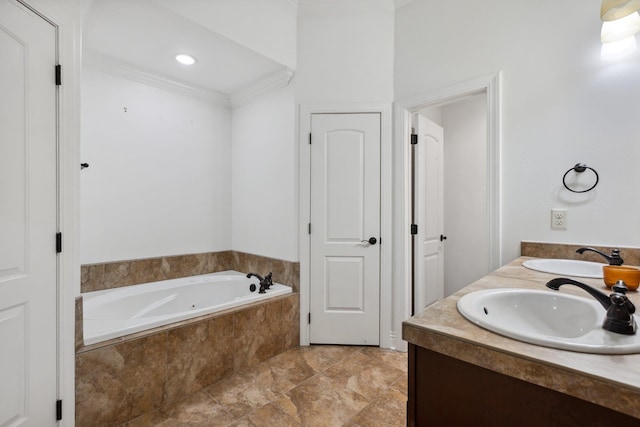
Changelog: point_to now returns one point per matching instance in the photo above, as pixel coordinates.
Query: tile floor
(307, 386)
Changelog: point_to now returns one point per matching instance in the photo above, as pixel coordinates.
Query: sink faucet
(613, 259)
(265, 282)
(620, 310)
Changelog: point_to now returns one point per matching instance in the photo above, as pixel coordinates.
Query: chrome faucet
(613, 259)
(265, 282)
(620, 310)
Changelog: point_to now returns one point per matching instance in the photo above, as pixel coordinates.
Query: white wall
(465, 197)
(432, 113)
(560, 105)
(345, 51)
(265, 176)
(158, 181)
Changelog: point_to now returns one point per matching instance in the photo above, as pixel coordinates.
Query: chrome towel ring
(579, 168)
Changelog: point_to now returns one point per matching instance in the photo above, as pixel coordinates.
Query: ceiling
(145, 35)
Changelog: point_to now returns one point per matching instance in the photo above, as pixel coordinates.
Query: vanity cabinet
(444, 391)
(463, 375)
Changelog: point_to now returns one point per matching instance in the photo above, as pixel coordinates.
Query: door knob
(371, 241)
(443, 237)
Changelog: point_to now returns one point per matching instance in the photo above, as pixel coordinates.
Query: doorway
(463, 233)
(345, 229)
(383, 334)
(490, 86)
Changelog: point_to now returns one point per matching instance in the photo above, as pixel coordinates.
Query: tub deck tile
(117, 383)
(198, 355)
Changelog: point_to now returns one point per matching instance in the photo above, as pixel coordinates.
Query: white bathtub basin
(121, 311)
(546, 318)
(566, 267)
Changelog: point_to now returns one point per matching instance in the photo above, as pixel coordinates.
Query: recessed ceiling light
(185, 59)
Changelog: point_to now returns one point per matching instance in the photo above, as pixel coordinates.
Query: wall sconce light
(620, 23)
(616, 9)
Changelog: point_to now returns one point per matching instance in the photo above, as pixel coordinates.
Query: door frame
(68, 21)
(491, 83)
(386, 210)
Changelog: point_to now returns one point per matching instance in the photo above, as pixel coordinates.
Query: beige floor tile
(326, 385)
(321, 357)
(401, 385)
(199, 410)
(392, 358)
(321, 401)
(364, 374)
(388, 410)
(242, 394)
(288, 370)
(267, 416)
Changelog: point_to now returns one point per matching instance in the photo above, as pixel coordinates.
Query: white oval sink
(546, 318)
(566, 267)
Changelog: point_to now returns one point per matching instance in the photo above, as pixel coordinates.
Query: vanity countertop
(606, 380)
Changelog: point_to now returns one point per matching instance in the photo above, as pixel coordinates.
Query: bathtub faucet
(265, 282)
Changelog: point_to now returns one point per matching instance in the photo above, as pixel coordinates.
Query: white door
(428, 213)
(345, 229)
(28, 284)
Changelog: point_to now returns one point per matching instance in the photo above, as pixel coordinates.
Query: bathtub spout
(265, 282)
(259, 277)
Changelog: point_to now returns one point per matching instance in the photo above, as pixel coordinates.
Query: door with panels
(28, 218)
(345, 229)
(428, 213)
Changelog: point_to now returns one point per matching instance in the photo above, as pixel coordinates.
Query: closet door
(345, 229)
(28, 181)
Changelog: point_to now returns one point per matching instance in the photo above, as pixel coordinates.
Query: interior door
(428, 213)
(28, 284)
(345, 229)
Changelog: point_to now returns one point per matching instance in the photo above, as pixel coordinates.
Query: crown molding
(271, 82)
(132, 72)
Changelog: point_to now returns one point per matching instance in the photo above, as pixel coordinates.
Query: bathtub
(121, 311)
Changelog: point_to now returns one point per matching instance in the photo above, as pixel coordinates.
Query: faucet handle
(620, 287)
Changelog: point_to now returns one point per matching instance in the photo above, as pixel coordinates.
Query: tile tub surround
(631, 256)
(121, 379)
(591, 377)
(96, 277)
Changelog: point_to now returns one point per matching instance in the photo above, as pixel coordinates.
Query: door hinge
(309, 138)
(414, 228)
(58, 243)
(309, 318)
(414, 139)
(58, 75)
(58, 409)
(309, 228)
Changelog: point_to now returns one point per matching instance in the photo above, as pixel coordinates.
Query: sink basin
(546, 318)
(566, 267)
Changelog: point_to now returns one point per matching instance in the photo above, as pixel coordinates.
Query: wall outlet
(558, 219)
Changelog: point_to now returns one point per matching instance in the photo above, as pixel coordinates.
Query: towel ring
(579, 168)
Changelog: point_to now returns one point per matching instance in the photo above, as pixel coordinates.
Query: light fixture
(185, 59)
(620, 23)
(616, 9)
(618, 49)
(613, 31)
